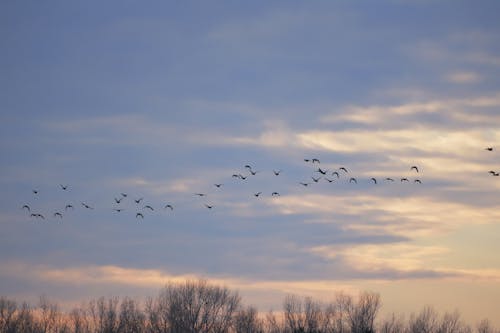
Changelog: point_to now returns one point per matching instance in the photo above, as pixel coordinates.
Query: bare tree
(194, 306)
(8, 310)
(271, 323)
(78, 317)
(393, 324)
(425, 322)
(362, 315)
(295, 320)
(132, 319)
(104, 315)
(451, 323)
(49, 315)
(247, 321)
(484, 326)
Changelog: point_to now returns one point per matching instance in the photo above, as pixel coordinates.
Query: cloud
(463, 77)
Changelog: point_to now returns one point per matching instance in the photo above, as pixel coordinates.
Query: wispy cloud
(463, 77)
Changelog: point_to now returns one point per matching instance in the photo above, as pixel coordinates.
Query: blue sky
(162, 100)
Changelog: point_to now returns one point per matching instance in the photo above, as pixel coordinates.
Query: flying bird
(209, 206)
(235, 175)
(353, 180)
(323, 172)
(404, 180)
(139, 215)
(329, 180)
(248, 167)
(86, 206)
(69, 206)
(64, 187)
(169, 206)
(26, 207)
(218, 185)
(38, 216)
(304, 184)
(417, 181)
(277, 173)
(57, 214)
(253, 173)
(414, 167)
(389, 179)
(489, 148)
(257, 194)
(275, 194)
(138, 201)
(343, 169)
(148, 207)
(335, 173)
(35, 191)
(124, 195)
(118, 200)
(118, 209)
(316, 179)
(306, 160)
(315, 160)
(374, 180)
(200, 194)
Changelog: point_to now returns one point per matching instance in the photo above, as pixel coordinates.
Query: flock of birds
(319, 174)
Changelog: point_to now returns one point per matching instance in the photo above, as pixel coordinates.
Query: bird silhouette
(257, 194)
(353, 180)
(57, 214)
(304, 184)
(343, 169)
(138, 201)
(118, 200)
(26, 207)
(235, 175)
(218, 185)
(489, 148)
(389, 179)
(306, 160)
(148, 207)
(374, 180)
(69, 206)
(329, 180)
(118, 209)
(253, 173)
(200, 194)
(169, 206)
(35, 191)
(37, 215)
(315, 179)
(242, 177)
(274, 194)
(315, 160)
(414, 168)
(139, 215)
(404, 180)
(124, 195)
(417, 181)
(63, 187)
(276, 172)
(248, 167)
(209, 206)
(86, 206)
(335, 173)
(323, 172)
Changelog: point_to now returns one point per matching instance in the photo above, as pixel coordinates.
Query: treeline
(199, 307)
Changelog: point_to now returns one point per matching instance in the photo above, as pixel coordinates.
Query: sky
(164, 99)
